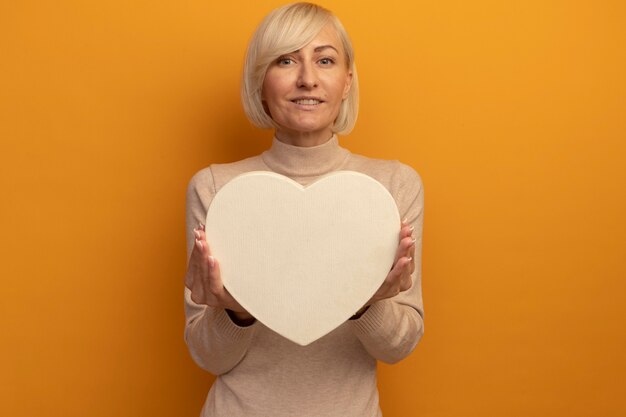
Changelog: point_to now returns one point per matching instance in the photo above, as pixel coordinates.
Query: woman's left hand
(399, 278)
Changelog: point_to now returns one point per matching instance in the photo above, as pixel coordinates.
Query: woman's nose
(307, 77)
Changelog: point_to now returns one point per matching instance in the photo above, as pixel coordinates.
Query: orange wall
(513, 112)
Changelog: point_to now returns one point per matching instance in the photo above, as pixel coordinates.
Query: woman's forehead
(327, 38)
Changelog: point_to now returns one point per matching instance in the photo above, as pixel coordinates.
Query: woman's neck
(304, 139)
(299, 161)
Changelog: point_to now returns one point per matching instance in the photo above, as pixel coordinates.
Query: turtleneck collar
(297, 161)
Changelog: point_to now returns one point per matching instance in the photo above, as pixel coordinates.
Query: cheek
(267, 87)
(273, 86)
(339, 86)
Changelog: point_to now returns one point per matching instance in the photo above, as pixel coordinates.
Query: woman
(300, 79)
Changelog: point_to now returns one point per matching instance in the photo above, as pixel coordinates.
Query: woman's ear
(346, 89)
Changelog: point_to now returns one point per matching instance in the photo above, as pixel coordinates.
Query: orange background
(514, 113)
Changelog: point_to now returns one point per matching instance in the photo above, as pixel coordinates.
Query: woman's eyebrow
(320, 48)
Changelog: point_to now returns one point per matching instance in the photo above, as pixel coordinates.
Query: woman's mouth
(307, 101)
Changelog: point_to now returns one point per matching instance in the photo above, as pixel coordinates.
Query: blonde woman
(300, 80)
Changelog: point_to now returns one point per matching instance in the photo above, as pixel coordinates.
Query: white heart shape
(302, 260)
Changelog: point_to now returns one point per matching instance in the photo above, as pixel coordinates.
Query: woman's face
(303, 90)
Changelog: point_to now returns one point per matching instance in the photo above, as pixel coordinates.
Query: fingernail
(197, 233)
(404, 220)
(411, 229)
(413, 241)
(211, 262)
(199, 244)
(201, 226)
(410, 258)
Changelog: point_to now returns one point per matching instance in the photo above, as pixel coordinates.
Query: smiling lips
(306, 101)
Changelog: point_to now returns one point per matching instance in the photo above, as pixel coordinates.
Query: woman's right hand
(204, 280)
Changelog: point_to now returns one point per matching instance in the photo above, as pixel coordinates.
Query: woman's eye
(326, 61)
(285, 61)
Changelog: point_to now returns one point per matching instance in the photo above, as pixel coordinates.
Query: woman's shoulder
(401, 180)
(216, 175)
(392, 173)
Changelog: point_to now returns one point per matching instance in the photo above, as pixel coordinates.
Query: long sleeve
(390, 329)
(264, 374)
(214, 341)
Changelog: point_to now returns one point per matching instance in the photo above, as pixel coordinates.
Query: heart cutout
(303, 260)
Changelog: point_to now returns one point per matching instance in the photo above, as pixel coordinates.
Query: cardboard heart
(302, 260)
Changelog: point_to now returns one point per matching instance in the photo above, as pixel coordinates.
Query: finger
(200, 248)
(404, 281)
(405, 231)
(396, 280)
(201, 260)
(196, 273)
(197, 290)
(193, 267)
(200, 234)
(404, 248)
(412, 256)
(396, 272)
(216, 286)
(410, 246)
(410, 250)
(407, 282)
(400, 269)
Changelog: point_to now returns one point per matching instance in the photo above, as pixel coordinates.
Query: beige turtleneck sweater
(260, 373)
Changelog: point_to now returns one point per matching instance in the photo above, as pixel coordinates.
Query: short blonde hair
(285, 30)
